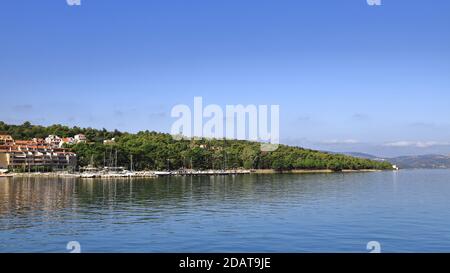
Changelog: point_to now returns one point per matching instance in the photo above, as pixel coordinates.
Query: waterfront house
(3, 161)
(6, 140)
(28, 155)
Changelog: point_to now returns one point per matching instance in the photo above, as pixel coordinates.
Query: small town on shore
(50, 157)
(58, 150)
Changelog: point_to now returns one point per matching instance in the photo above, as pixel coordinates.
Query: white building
(109, 141)
(80, 138)
(53, 140)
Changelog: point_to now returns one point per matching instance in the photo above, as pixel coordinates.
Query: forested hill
(158, 151)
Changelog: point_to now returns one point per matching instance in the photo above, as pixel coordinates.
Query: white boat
(163, 173)
(88, 175)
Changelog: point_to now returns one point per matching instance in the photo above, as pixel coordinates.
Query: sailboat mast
(131, 163)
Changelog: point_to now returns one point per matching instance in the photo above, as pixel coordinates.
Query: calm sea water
(406, 211)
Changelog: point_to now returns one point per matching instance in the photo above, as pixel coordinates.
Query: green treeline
(158, 151)
(28, 131)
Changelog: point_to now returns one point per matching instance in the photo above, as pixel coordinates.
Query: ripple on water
(405, 211)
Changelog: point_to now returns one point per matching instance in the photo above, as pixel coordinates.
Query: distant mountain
(366, 156)
(422, 162)
(430, 161)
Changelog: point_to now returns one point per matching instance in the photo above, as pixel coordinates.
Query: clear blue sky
(347, 76)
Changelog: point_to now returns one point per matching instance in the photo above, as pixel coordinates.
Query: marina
(130, 174)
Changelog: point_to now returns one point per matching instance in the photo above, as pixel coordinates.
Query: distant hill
(366, 156)
(422, 162)
(431, 161)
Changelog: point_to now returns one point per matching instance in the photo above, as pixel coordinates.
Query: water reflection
(173, 195)
(325, 212)
(19, 196)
